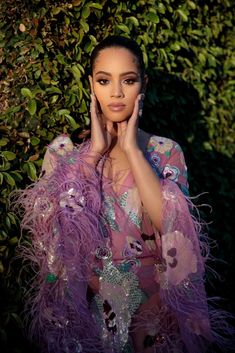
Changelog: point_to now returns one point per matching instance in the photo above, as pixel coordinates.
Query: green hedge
(45, 46)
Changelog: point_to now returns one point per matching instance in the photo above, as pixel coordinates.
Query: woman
(116, 251)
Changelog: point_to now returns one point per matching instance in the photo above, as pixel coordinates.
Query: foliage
(44, 56)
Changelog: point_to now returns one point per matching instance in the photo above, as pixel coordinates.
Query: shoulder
(163, 146)
(167, 159)
(163, 150)
(61, 145)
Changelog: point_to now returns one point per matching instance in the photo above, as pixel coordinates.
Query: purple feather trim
(200, 322)
(62, 214)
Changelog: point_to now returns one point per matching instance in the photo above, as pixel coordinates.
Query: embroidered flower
(170, 172)
(163, 144)
(43, 206)
(134, 246)
(155, 159)
(61, 145)
(178, 252)
(72, 200)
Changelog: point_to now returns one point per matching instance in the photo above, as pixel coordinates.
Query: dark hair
(121, 42)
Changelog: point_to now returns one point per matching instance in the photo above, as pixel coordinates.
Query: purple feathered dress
(105, 280)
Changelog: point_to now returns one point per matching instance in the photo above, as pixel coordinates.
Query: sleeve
(184, 252)
(62, 215)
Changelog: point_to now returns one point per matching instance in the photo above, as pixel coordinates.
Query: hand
(127, 130)
(100, 131)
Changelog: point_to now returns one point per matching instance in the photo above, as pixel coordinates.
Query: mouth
(116, 107)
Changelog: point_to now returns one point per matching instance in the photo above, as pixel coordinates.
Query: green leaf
(13, 241)
(52, 90)
(71, 121)
(9, 178)
(96, 6)
(56, 10)
(37, 74)
(26, 93)
(34, 141)
(85, 12)
(46, 78)
(123, 28)
(63, 112)
(152, 17)
(31, 170)
(182, 15)
(32, 106)
(192, 5)
(134, 20)
(76, 72)
(3, 141)
(9, 155)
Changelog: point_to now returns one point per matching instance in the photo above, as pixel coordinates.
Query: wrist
(134, 152)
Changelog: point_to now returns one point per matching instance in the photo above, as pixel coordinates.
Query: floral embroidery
(133, 247)
(163, 144)
(61, 145)
(179, 256)
(118, 299)
(72, 200)
(155, 159)
(171, 172)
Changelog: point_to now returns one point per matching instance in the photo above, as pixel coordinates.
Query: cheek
(99, 94)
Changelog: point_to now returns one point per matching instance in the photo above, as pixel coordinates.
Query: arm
(148, 185)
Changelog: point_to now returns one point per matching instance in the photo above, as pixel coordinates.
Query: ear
(144, 85)
(91, 83)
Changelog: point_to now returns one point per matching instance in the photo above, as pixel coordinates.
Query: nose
(117, 90)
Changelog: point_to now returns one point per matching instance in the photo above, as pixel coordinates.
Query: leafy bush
(44, 56)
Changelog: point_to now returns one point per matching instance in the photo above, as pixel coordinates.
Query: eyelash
(128, 81)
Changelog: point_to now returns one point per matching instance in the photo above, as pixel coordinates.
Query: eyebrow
(123, 74)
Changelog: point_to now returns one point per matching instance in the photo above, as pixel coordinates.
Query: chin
(117, 118)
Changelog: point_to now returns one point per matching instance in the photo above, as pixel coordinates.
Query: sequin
(51, 278)
(123, 199)
(43, 207)
(103, 253)
(132, 215)
(121, 291)
(135, 219)
(160, 340)
(72, 200)
(109, 213)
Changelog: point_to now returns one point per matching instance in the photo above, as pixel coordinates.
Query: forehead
(116, 59)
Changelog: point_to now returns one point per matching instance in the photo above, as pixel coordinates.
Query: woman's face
(116, 82)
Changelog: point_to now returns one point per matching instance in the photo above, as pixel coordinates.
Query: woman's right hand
(101, 137)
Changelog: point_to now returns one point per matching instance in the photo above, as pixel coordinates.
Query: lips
(116, 107)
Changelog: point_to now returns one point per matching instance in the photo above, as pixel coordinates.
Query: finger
(135, 115)
(91, 84)
(109, 126)
(93, 107)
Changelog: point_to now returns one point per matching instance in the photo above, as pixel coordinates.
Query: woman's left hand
(127, 130)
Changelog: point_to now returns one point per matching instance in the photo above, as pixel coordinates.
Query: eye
(130, 81)
(103, 81)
